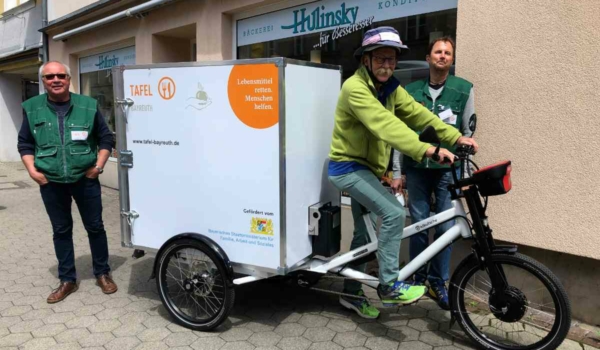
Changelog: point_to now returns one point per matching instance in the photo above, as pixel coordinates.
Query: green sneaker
(361, 306)
(400, 293)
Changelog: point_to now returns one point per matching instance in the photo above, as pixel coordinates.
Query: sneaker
(360, 305)
(400, 293)
(439, 293)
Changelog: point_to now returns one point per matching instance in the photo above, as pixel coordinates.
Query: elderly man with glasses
(373, 115)
(64, 143)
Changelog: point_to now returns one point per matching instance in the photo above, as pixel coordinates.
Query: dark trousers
(87, 195)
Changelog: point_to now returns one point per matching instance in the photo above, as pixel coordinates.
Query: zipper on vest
(63, 143)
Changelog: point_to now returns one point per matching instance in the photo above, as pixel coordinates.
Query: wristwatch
(100, 170)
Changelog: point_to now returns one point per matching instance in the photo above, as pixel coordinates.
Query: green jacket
(67, 160)
(454, 96)
(364, 129)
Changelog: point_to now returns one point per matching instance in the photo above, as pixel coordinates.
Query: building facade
(530, 62)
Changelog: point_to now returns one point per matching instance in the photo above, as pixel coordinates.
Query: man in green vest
(64, 143)
(373, 114)
(451, 99)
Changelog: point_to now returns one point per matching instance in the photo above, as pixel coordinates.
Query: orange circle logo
(253, 92)
(166, 88)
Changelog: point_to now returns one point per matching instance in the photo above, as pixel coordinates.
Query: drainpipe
(131, 12)
(45, 48)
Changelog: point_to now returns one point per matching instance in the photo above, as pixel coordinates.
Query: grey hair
(67, 69)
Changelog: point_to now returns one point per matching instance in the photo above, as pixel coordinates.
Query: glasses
(382, 60)
(52, 76)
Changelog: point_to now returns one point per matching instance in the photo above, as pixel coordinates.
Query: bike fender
(208, 242)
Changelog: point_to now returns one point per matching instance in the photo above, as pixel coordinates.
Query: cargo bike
(223, 177)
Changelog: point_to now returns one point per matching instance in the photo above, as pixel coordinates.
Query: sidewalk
(267, 315)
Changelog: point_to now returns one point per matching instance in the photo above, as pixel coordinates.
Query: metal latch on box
(126, 158)
(314, 215)
(125, 104)
(130, 216)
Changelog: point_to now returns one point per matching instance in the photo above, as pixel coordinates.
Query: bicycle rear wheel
(532, 313)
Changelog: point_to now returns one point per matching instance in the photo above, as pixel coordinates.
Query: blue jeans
(366, 190)
(421, 183)
(57, 200)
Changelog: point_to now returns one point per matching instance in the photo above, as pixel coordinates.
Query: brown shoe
(107, 285)
(63, 291)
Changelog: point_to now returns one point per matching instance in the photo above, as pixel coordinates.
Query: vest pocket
(79, 133)
(82, 158)
(46, 161)
(41, 132)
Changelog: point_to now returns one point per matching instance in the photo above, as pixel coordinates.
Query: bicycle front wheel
(533, 313)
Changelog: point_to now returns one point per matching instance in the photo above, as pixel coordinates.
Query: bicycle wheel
(532, 313)
(192, 284)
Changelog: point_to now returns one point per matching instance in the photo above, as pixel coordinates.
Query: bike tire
(194, 282)
(461, 294)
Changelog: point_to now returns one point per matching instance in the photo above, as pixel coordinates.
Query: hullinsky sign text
(320, 19)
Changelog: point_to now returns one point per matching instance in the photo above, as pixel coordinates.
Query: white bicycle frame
(338, 263)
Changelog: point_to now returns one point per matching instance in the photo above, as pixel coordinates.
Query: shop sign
(107, 60)
(341, 16)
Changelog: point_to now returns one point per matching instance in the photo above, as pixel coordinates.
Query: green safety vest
(63, 161)
(454, 96)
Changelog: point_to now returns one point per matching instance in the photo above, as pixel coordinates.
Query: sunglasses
(52, 76)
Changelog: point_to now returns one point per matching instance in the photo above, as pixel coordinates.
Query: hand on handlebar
(467, 141)
(443, 156)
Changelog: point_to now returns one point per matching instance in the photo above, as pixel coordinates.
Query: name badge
(79, 135)
(447, 116)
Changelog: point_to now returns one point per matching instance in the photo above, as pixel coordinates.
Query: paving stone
(126, 343)
(261, 326)
(15, 311)
(286, 317)
(213, 343)
(6, 322)
(372, 329)
(3, 332)
(350, 339)
(175, 328)
(116, 303)
(410, 312)
(423, 324)
(72, 335)
(67, 305)
(96, 339)
(62, 317)
(88, 310)
(441, 316)
(392, 320)
(313, 321)
(294, 343)
(26, 326)
(264, 338)
(28, 300)
(104, 326)
(450, 347)
(238, 345)
(290, 330)
(153, 346)
(180, 339)
(81, 322)
(325, 346)
(110, 314)
(435, 338)
(236, 334)
(37, 314)
(403, 334)
(381, 343)
(319, 334)
(142, 305)
(128, 330)
(15, 339)
(49, 330)
(38, 344)
(414, 345)
(339, 325)
(155, 322)
(134, 317)
(154, 335)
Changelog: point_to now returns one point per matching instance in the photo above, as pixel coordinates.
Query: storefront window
(96, 81)
(327, 42)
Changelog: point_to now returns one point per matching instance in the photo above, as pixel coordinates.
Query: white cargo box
(235, 151)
